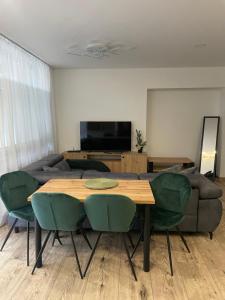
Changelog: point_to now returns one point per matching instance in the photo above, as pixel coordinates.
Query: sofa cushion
(35, 166)
(191, 170)
(179, 169)
(50, 169)
(43, 176)
(172, 169)
(88, 174)
(131, 176)
(148, 176)
(53, 159)
(95, 174)
(63, 165)
(207, 189)
(49, 161)
(194, 179)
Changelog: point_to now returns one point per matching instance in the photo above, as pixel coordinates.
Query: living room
(90, 217)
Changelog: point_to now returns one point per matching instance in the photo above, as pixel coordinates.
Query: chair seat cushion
(162, 219)
(25, 213)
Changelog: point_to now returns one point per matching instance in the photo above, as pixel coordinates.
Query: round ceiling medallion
(99, 49)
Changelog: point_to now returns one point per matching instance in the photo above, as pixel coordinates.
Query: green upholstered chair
(110, 213)
(58, 212)
(88, 164)
(172, 193)
(15, 187)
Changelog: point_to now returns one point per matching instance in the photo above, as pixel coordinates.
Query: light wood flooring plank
(198, 275)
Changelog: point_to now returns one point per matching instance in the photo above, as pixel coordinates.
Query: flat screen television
(105, 136)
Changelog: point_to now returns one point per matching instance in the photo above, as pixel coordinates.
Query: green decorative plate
(100, 183)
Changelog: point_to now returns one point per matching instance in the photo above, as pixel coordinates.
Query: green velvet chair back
(88, 164)
(57, 211)
(15, 187)
(112, 213)
(172, 192)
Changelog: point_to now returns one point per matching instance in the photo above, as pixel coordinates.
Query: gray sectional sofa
(203, 213)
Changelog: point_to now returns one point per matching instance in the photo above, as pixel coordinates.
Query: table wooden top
(172, 160)
(137, 190)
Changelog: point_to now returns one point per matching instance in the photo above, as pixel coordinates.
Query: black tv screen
(105, 136)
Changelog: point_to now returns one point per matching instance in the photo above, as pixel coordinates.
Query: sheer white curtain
(26, 118)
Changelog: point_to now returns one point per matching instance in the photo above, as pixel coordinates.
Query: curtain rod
(15, 43)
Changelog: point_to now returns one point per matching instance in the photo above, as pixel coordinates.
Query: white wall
(119, 94)
(175, 117)
(96, 95)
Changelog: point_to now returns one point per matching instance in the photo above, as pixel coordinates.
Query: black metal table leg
(38, 243)
(146, 246)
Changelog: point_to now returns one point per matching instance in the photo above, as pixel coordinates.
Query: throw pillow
(63, 165)
(172, 169)
(191, 170)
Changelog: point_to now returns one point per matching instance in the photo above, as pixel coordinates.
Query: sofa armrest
(207, 188)
(209, 215)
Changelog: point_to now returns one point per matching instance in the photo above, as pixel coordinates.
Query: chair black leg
(92, 254)
(183, 239)
(85, 237)
(16, 229)
(128, 256)
(136, 246)
(76, 256)
(53, 239)
(130, 240)
(211, 235)
(56, 237)
(28, 246)
(139, 240)
(169, 252)
(41, 251)
(8, 234)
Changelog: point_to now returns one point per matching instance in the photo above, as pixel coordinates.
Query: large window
(26, 119)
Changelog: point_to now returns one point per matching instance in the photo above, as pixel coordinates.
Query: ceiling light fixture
(99, 49)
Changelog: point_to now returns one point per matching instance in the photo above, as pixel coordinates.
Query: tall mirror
(209, 146)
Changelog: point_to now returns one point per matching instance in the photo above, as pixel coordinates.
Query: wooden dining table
(139, 191)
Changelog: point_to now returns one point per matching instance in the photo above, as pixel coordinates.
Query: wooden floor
(199, 275)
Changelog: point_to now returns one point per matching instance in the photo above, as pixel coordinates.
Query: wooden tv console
(168, 161)
(117, 162)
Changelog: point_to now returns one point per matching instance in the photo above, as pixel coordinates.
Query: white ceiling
(165, 32)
